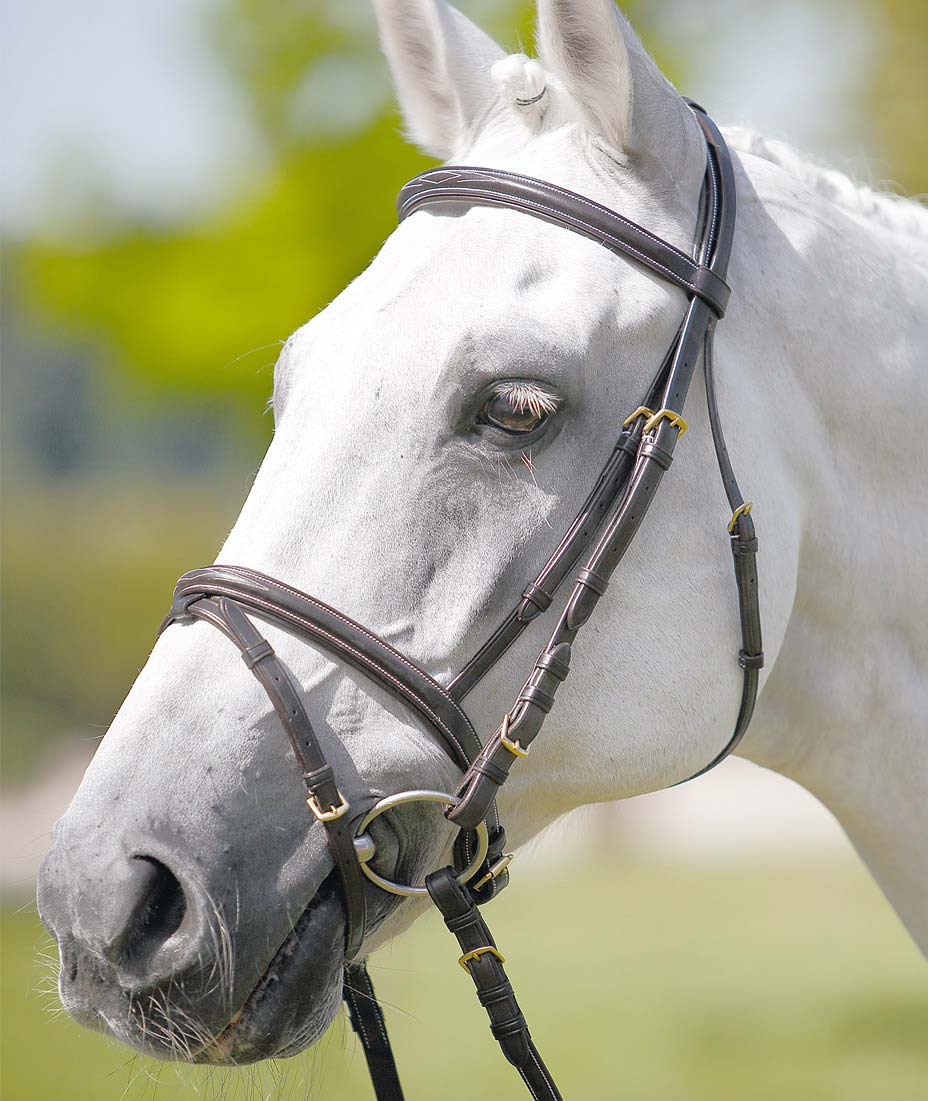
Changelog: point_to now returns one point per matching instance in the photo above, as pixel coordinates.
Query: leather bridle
(229, 596)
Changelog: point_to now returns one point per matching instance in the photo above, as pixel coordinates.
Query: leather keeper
(593, 580)
(556, 661)
(467, 920)
(318, 777)
(715, 292)
(514, 1026)
(743, 546)
(493, 772)
(491, 995)
(532, 694)
(750, 661)
(538, 596)
(627, 442)
(652, 450)
(251, 655)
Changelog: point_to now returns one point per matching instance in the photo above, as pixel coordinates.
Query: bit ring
(366, 850)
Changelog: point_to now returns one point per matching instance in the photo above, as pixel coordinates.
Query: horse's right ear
(441, 65)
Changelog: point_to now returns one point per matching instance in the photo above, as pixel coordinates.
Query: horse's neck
(842, 367)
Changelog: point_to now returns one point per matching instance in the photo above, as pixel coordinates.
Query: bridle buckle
(332, 814)
(483, 950)
(641, 411)
(671, 415)
(512, 744)
(495, 871)
(741, 510)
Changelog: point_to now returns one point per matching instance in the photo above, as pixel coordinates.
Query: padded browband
(493, 187)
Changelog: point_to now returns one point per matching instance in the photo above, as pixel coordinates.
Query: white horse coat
(378, 495)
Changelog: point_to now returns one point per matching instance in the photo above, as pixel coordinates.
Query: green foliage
(724, 983)
(200, 309)
(185, 307)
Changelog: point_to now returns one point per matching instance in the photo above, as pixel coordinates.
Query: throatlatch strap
(743, 540)
(483, 962)
(368, 1022)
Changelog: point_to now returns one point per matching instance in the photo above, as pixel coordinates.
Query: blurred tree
(200, 309)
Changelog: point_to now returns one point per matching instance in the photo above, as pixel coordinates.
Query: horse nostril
(156, 906)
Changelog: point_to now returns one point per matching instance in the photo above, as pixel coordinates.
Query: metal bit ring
(366, 850)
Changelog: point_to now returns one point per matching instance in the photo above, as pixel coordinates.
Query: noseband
(229, 596)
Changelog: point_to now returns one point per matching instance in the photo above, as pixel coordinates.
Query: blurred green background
(185, 183)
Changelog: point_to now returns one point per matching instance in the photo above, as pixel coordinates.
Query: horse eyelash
(528, 396)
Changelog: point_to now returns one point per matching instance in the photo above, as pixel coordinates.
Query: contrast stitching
(270, 583)
(490, 174)
(493, 199)
(541, 1069)
(314, 629)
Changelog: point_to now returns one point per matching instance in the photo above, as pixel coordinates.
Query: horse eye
(511, 412)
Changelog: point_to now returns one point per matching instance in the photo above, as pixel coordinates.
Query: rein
(229, 596)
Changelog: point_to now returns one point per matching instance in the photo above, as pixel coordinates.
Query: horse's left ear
(620, 91)
(441, 65)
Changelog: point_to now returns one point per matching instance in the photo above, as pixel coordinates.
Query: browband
(494, 187)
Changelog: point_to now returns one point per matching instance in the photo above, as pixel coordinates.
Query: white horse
(386, 493)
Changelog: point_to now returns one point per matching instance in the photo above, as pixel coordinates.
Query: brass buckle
(641, 411)
(332, 813)
(512, 744)
(741, 510)
(676, 421)
(478, 952)
(496, 869)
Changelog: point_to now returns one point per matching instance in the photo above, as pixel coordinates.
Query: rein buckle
(478, 952)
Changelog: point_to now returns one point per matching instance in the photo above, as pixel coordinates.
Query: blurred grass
(88, 569)
(646, 982)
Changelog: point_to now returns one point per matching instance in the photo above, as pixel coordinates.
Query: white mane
(896, 213)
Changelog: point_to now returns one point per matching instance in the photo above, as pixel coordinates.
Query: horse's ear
(620, 91)
(441, 65)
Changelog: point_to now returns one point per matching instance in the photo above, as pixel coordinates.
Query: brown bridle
(228, 596)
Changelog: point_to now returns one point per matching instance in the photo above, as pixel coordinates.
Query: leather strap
(484, 963)
(274, 677)
(332, 630)
(494, 187)
(523, 722)
(218, 594)
(368, 1022)
(609, 486)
